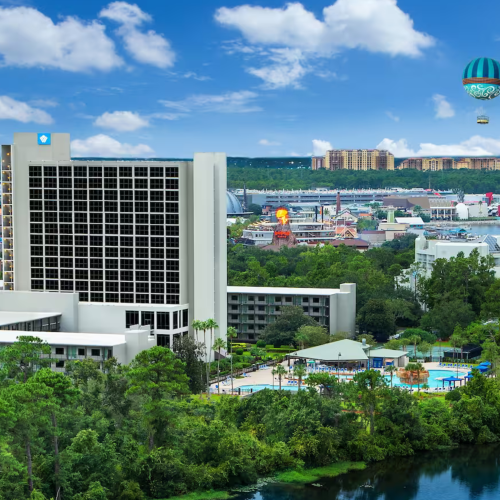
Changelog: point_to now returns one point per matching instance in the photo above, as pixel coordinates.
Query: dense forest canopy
(470, 181)
(135, 432)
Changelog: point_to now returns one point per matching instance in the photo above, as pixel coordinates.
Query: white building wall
(208, 240)
(24, 150)
(427, 251)
(64, 303)
(346, 308)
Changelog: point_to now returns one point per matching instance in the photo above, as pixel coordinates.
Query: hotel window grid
(116, 226)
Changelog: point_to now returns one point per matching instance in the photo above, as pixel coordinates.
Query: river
(467, 473)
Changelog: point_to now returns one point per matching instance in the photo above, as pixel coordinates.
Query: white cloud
(265, 142)
(44, 103)
(288, 67)
(10, 109)
(397, 148)
(374, 25)
(321, 147)
(442, 107)
(122, 121)
(230, 102)
(392, 116)
(105, 146)
(29, 38)
(148, 48)
(475, 146)
(125, 13)
(194, 76)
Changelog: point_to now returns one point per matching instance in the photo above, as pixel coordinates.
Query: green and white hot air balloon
(481, 80)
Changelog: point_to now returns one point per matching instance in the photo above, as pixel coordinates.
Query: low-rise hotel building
(251, 309)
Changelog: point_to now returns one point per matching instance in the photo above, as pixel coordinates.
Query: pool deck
(260, 377)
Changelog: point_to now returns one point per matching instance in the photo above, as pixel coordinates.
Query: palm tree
(415, 367)
(299, 371)
(231, 334)
(197, 326)
(218, 345)
(300, 338)
(391, 369)
(210, 324)
(281, 372)
(404, 343)
(426, 348)
(414, 339)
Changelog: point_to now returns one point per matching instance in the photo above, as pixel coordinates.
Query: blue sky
(256, 78)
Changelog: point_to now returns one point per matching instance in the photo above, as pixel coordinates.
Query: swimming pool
(255, 388)
(432, 382)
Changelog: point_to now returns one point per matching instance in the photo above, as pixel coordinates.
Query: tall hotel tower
(133, 242)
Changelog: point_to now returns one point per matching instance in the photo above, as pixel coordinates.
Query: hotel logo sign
(44, 139)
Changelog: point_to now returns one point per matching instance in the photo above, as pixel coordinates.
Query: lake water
(485, 229)
(462, 474)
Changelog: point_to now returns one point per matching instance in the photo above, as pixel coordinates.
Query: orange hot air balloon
(282, 215)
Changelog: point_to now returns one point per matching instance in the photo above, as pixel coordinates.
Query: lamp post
(338, 366)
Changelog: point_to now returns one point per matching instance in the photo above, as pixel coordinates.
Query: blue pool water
(255, 388)
(433, 376)
(432, 382)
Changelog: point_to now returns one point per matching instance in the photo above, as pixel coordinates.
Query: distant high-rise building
(359, 159)
(317, 162)
(435, 164)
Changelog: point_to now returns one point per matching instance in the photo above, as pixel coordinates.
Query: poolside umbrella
(452, 379)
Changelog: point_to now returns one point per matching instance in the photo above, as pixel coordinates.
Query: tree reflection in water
(460, 474)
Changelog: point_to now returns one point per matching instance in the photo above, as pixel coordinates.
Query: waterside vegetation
(136, 432)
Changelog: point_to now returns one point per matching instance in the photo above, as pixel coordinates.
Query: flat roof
(11, 318)
(387, 353)
(65, 338)
(410, 220)
(268, 290)
(342, 350)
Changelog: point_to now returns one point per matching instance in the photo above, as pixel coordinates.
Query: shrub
(261, 344)
(239, 352)
(453, 395)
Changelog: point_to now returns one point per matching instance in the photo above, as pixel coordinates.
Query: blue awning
(452, 379)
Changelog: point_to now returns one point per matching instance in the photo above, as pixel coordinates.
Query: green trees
(369, 384)
(256, 209)
(157, 376)
(299, 371)
(376, 317)
(192, 353)
(135, 432)
(284, 329)
(63, 396)
(459, 279)
(218, 345)
(310, 336)
(281, 372)
(418, 368)
(210, 324)
(391, 369)
(19, 360)
(231, 334)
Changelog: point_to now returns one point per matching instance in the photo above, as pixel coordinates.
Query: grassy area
(442, 344)
(204, 495)
(306, 476)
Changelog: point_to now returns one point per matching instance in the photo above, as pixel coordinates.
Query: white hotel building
(111, 245)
